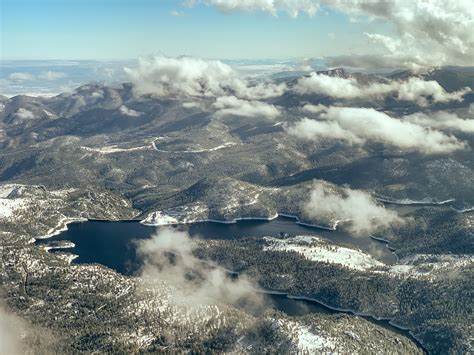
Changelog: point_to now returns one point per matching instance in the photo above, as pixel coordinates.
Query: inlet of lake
(111, 244)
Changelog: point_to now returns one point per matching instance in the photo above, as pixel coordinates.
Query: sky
(50, 46)
(127, 29)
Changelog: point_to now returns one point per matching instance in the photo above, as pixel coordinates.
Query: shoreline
(236, 220)
(347, 311)
(408, 202)
(61, 227)
(464, 210)
(68, 245)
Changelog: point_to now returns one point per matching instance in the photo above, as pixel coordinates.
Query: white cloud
(168, 256)
(186, 76)
(231, 105)
(429, 32)
(366, 125)
(442, 120)
(314, 108)
(97, 95)
(258, 91)
(313, 130)
(11, 329)
(18, 336)
(327, 85)
(420, 91)
(365, 215)
(129, 112)
(413, 89)
(163, 76)
(192, 104)
(21, 76)
(24, 114)
(292, 7)
(51, 75)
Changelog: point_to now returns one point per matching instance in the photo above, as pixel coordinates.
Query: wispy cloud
(168, 256)
(25, 114)
(362, 212)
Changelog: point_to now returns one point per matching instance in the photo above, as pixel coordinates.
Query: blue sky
(127, 29)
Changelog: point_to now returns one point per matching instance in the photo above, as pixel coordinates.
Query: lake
(111, 244)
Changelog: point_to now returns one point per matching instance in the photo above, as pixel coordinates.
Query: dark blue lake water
(111, 244)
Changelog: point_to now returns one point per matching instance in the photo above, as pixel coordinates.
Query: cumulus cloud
(313, 130)
(165, 76)
(168, 256)
(414, 89)
(185, 76)
(24, 114)
(357, 207)
(231, 105)
(442, 120)
(129, 112)
(366, 125)
(429, 32)
(51, 75)
(421, 91)
(21, 76)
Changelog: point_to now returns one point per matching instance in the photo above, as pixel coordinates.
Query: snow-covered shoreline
(165, 220)
(409, 202)
(194, 151)
(191, 221)
(66, 245)
(464, 210)
(333, 228)
(60, 227)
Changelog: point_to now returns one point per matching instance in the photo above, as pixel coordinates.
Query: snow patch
(114, 149)
(316, 249)
(9, 206)
(222, 146)
(310, 342)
